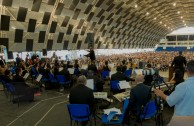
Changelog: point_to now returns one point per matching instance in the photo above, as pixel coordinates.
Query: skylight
(186, 30)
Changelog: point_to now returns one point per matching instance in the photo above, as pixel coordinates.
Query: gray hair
(82, 80)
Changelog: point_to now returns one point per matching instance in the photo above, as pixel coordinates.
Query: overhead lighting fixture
(185, 24)
(178, 12)
(165, 25)
(183, 21)
(136, 6)
(174, 4)
(160, 22)
(155, 18)
(147, 13)
(181, 17)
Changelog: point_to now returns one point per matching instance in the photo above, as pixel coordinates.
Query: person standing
(91, 54)
(179, 62)
(18, 60)
(183, 95)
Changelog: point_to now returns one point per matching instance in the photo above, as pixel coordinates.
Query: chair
(62, 80)
(79, 113)
(128, 72)
(148, 111)
(106, 121)
(13, 92)
(52, 78)
(105, 74)
(114, 86)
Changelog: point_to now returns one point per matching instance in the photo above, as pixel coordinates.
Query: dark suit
(119, 76)
(179, 62)
(18, 78)
(139, 95)
(82, 95)
(124, 68)
(91, 55)
(92, 67)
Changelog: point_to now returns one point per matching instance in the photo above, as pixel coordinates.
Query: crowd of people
(95, 65)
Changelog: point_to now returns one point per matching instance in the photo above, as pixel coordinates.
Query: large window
(182, 37)
(171, 38)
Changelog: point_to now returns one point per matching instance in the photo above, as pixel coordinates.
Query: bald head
(82, 80)
(139, 79)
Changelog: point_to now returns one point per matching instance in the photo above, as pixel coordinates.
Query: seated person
(106, 67)
(18, 77)
(82, 95)
(92, 67)
(139, 95)
(120, 76)
(97, 81)
(124, 66)
(7, 76)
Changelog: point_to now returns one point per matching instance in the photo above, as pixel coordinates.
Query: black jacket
(119, 76)
(82, 95)
(139, 95)
(179, 62)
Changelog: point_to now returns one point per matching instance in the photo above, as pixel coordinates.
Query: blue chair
(105, 74)
(62, 80)
(128, 72)
(148, 111)
(79, 113)
(52, 78)
(107, 121)
(114, 85)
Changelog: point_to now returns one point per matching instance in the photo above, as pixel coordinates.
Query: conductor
(179, 62)
(91, 54)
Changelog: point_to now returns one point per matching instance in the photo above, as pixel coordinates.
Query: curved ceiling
(64, 24)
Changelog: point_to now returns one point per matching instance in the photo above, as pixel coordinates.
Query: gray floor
(49, 109)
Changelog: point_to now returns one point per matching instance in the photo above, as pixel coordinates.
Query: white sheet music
(138, 71)
(71, 70)
(60, 69)
(26, 75)
(38, 78)
(90, 84)
(84, 67)
(107, 111)
(100, 95)
(124, 85)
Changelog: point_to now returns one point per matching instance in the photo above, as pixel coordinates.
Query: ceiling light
(136, 6)
(147, 13)
(160, 22)
(155, 18)
(185, 24)
(178, 12)
(181, 17)
(174, 4)
(165, 25)
(183, 21)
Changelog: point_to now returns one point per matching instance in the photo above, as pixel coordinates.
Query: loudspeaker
(10, 55)
(44, 52)
(90, 39)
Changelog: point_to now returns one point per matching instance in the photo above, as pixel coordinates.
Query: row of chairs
(81, 112)
(106, 74)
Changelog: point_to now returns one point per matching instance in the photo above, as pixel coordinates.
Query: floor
(50, 109)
